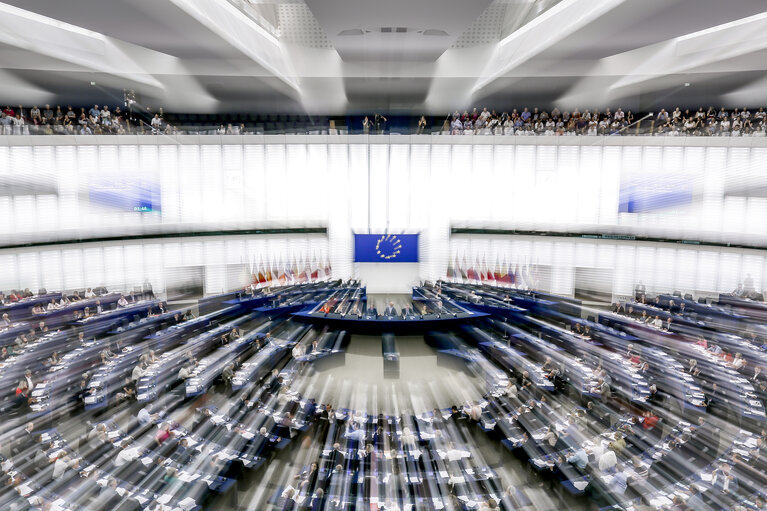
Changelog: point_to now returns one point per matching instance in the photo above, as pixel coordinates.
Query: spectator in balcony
(5, 124)
(93, 118)
(156, 124)
(380, 123)
(479, 126)
(18, 124)
(737, 126)
(118, 127)
(468, 126)
(105, 116)
(525, 116)
(485, 115)
(83, 125)
(593, 126)
(35, 116)
(724, 127)
(456, 127)
(421, 125)
(95, 111)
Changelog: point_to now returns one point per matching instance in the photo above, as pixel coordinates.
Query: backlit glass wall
(711, 189)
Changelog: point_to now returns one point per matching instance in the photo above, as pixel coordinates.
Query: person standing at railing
(18, 124)
(156, 124)
(380, 123)
(421, 125)
(5, 124)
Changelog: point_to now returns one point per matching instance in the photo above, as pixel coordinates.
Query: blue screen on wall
(385, 248)
(136, 192)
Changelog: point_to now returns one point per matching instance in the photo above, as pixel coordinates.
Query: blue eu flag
(385, 248)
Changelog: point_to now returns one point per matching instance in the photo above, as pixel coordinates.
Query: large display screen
(385, 248)
(647, 192)
(139, 192)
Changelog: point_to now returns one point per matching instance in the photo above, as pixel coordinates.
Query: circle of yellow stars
(393, 242)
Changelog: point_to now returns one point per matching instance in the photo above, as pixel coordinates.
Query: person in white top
(453, 454)
(511, 390)
(18, 124)
(156, 123)
(122, 302)
(138, 372)
(474, 411)
(607, 460)
(52, 306)
(657, 323)
(126, 455)
(89, 293)
(61, 464)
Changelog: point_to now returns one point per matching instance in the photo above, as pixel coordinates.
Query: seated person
(390, 310)
(723, 480)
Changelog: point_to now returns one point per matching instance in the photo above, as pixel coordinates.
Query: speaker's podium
(390, 356)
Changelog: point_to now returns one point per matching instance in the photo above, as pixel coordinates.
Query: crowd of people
(101, 120)
(700, 122)
(96, 120)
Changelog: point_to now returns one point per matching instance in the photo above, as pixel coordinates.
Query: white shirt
(125, 456)
(137, 373)
(59, 467)
(607, 460)
(143, 416)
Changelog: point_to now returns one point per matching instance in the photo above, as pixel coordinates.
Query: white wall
(388, 278)
(123, 265)
(662, 267)
(425, 184)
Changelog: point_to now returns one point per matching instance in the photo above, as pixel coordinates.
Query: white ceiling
(339, 56)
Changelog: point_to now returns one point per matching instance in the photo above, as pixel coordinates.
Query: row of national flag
(523, 276)
(295, 272)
